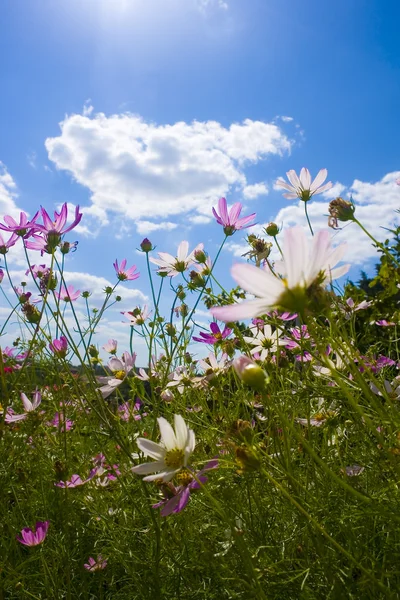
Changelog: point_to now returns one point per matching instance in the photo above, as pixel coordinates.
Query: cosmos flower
(121, 368)
(6, 245)
(111, 346)
(231, 221)
(59, 347)
(177, 497)
(215, 336)
(172, 265)
(95, 565)
(303, 265)
(171, 454)
(30, 537)
(212, 366)
(68, 294)
(21, 229)
(123, 273)
(138, 315)
(29, 406)
(265, 341)
(302, 187)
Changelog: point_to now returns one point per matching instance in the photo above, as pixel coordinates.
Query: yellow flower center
(119, 375)
(174, 458)
(184, 477)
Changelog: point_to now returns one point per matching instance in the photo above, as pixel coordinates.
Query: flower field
(257, 456)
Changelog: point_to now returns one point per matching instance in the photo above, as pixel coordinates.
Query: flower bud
(146, 245)
(272, 229)
(200, 256)
(250, 373)
(340, 210)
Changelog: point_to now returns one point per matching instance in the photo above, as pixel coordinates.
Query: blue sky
(204, 86)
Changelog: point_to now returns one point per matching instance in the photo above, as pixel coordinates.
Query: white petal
(305, 178)
(319, 180)
(338, 272)
(183, 250)
(181, 431)
(295, 255)
(286, 186)
(166, 476)
(294, 180)
(257, 281)
(167, 434)
(150, 467)
(244, 310)
(150, 448)
(319, 251)
(27, 403)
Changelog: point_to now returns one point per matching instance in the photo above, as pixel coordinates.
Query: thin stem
(307, 217)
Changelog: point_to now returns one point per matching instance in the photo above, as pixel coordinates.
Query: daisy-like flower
(21, 229)
(30, 537)
(121, 368)
(231, 221)
(265, 341)
(391, 389)
(95, 565)
(212, 366)
(303, 265)
(123, 273)
(182, 378)
(29, 406)
(173, 265)
(171, 454)
(384, 323)
(111, 346)
(302, 187)
(68, 294)
(138, 315)
(215, 336)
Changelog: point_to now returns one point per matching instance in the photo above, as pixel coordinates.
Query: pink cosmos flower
(111, 346)
(29, 406)
(215, 336)
(23, 228)
(95, 565)
(384, 323)
(302, 265)
(124, 274)
(59, 347)
(61, 423)
(1, 275)
(302, 187)
(57, 227)
(171, 265)
(178, 497)
(36, 537)
(76, 480)
(68, 294)
(127, 411)
(5, 245)
(231, 221)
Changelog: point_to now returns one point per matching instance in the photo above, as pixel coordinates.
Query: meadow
(267, 469)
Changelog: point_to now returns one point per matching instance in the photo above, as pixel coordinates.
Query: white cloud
(336, 190)
(204, 5)
(134, 169)
(286, 119)
(145, 227)
(200, 220)
(254, 191)
(8, 193)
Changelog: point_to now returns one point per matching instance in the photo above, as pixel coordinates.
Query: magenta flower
(74, 482)
(95, 565)
(1, 275)
(57, 227)
(127, 411)
(384, 323)
(215, 336)
(68, 294)
(59, 347)
(23, 228)
(124, 274)
(178, 497)
(34, 538)
(29, 406)
(61, 423)
(230, 221)
(5, 245)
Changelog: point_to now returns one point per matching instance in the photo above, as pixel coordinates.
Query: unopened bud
(340, 210)
(146, 245)
(250, 373)
(200, 256)
(272, 229)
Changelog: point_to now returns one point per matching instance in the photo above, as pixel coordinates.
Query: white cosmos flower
(265, 341)
(302, 187)
(303, 264)
(171, 454)
(173, 265)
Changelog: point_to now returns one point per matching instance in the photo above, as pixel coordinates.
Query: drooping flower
(215, 336)
(30, 537)
(303, 265)
(171, 454)
(96, 565)
(177, 497)
(21, 229)
(231, 221)
(59, 347)
(29, 406)
(5, 245)
(302, 187)
(171, 265)
(68, 294)
(123, 273)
